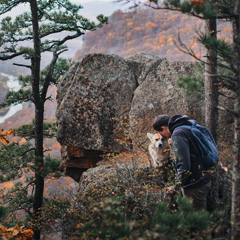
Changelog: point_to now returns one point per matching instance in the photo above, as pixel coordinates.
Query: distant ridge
(147, 31)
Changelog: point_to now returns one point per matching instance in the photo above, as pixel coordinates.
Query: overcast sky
(91, 8)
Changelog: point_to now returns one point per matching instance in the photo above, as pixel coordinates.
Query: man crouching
(193, 175)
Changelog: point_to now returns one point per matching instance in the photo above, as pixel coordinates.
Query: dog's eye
(157, 139)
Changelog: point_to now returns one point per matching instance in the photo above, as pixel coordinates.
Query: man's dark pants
(198, 195)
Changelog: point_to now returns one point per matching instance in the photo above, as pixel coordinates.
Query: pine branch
(154, 4)
(22, 65)
(5, 57)
(70, 37)
(49, 74)
(10, 5)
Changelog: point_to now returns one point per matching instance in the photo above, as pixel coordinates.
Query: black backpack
(206, 143)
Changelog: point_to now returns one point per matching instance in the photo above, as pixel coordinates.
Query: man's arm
(180, 149)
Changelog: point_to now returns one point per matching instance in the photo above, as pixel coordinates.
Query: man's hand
(170, 190)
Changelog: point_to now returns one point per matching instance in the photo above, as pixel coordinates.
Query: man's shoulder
(181, 130)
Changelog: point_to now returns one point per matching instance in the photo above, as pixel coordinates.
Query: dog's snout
(160, 145)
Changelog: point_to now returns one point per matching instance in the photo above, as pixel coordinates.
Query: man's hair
(161, 120)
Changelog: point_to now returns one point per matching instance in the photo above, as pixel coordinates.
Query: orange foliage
(147, 44)
(56, 145)
(22, 141)
(150, 24)
(144, 30)
(110, 36)
(3, 136)
(128, 35)
(169, 51)
(137, 29)
(198, 55)
(48, 180)
(7, 185)
(170, 40)
(226, 30)
(16, 233)
(129, 24)
(162, 40)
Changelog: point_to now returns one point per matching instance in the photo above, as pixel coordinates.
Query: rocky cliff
(103, 92)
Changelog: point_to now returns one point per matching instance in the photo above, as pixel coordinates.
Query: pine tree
(28, 36)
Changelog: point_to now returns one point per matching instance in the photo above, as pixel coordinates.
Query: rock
(159, 93)
(65, 83)
(100, 92)
(105, 96)
(92, 98)
(137, 62)
(3, 88)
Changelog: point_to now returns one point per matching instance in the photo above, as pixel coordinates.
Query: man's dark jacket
(191, 171)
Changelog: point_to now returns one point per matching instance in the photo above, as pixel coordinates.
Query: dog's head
(157, 140)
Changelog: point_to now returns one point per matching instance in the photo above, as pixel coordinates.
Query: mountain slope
(148, 31)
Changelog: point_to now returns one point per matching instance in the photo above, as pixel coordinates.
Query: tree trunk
(236, 148)
(211, 103)
(39, 179)
(211, 88)
(39, 114)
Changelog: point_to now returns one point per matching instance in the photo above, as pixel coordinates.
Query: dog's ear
(149, 135)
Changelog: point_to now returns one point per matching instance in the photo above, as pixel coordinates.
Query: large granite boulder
(101, 91)
(91, 99)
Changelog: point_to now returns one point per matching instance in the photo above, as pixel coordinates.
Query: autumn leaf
(197, 3)
(78, 225)
(3, 136)
(16, 233)
(28, 233)
(2, 229)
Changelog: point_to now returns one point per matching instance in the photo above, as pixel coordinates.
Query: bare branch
(227, 96)
(185, 49)
(188, 50)
(221, 75)
(232, 111)
(49, 98)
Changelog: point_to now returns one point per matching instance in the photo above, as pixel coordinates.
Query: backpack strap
(193, 123)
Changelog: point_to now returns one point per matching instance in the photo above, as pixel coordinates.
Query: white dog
(158, 148)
